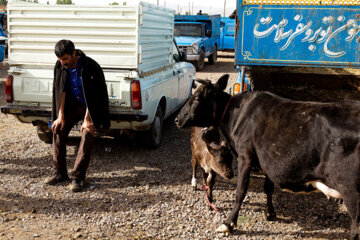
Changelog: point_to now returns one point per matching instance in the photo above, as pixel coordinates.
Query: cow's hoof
(193, 183)
(223, 229)
(269, 217)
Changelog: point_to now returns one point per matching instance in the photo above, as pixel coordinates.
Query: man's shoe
(77, 185)
(56, 179)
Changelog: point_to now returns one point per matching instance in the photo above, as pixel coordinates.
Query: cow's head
(221, 160)
(201, 109)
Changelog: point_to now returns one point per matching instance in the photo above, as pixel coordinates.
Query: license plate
(76, 127)
(15, 110)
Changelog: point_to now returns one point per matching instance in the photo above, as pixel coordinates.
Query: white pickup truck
(145, 76)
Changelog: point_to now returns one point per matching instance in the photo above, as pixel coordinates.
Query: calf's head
(221, 157)
(202, 109)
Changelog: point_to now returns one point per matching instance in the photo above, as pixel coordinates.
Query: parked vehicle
(320, 34)
(227, 34)
(3, 35)
(199, 37)
(146, 78)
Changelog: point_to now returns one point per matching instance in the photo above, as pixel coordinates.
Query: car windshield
(192, 30)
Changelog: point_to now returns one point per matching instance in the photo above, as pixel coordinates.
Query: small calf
(211, 158)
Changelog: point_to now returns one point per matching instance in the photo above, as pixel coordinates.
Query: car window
(188, 29)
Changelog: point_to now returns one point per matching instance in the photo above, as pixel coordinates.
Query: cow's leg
(194, 166)
(244, 168)
(210, 181)
(352, 204)
(204, 176)
(270, 214)
(207, 176)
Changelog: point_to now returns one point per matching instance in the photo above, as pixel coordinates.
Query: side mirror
(208, 33)
(177, 58)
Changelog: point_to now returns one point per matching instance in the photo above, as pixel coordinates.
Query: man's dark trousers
(73, 113)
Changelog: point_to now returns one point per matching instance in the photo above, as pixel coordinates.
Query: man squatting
(79, 93)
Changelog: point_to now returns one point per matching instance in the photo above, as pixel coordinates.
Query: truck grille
(186, 49)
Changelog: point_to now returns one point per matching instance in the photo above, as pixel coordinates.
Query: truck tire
(213, 57)
(44, 134)
(152, 137)
(199, 64)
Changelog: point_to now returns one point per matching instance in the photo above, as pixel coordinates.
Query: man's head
(65, 52)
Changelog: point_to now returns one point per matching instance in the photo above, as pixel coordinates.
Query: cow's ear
(202, 81)
(222, 82)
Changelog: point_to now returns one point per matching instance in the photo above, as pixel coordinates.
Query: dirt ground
(137, 193)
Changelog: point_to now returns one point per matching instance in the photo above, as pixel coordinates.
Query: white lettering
(311, 36)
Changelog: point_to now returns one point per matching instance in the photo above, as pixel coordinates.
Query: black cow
(300, 146)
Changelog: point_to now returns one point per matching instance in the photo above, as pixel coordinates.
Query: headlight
(195, 48)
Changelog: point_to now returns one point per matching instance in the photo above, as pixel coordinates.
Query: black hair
(63, 47)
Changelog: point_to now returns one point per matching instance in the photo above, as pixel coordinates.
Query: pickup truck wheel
(213, 57)
(199, 64)
(152, 137)
(44, 134)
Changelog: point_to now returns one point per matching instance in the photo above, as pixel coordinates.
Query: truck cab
(199, 37)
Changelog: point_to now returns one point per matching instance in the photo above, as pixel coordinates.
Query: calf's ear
(222, 82)
(211, 135)
(213, 148)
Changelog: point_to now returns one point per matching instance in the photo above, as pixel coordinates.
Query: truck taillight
(9, 89)
(136, 95)
(238, 89)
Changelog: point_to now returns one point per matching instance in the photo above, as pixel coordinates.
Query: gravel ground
(136, 193)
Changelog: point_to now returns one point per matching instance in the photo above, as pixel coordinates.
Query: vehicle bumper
(27, 111)
(192, 57)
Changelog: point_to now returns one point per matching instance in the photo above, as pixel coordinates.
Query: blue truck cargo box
(297, 35)
(227, 34)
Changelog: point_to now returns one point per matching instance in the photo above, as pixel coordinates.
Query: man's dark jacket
(94, 86)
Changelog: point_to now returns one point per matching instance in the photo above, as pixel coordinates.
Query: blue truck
(199, 37)
(227, 34)
(289, 37)
(3, 35)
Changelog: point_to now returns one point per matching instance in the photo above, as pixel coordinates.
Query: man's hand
(89, 126)
(58, 123)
